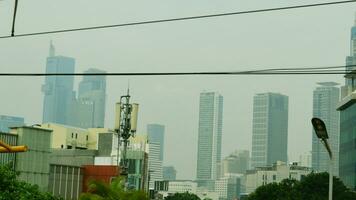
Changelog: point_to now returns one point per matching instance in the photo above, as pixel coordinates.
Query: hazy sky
(293, 38)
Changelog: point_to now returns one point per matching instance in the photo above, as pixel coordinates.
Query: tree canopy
(182, 196)
(11, 188)
(99, 190)
(315, 186)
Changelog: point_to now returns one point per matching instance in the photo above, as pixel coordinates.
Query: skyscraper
(347, 108)
(57, 90)
(209, 136)
(270, 129)
(325, 100)
(154, 164)
(92, 93)
(155, 134)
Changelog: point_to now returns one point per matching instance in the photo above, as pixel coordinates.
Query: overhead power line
(181, 19)
(275, 71)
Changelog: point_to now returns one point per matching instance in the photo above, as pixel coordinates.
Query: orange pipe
(13, 149)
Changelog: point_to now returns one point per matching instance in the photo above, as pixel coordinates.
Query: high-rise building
(169, 173)
(154, 164)
(270, 129)
(325, 99)
(347, 108)
(92, 90)
(58, 90)
(155, 134)
(209, 136)
(6, 122)
(236, 163)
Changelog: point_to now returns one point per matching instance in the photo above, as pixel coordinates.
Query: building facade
(305, 160)
(325, 99)
(236, 163)
(154, 164)
(65, 181)
(155, 133)
(347, 108)
(90, 105)
(6, 122)
(33, 165)
(228, 187)
(169, 173)
(209, 137)
(58, 90)
(270, 129)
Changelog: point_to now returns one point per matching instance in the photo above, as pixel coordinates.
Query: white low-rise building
(276, 173)
(168, 188)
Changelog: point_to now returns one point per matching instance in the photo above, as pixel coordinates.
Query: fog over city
(310, 37)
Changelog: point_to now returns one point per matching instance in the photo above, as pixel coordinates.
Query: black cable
(285, 71)
(182, 18)
(14, 19)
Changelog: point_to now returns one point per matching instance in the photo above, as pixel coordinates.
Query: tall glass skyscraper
(325, 100)
(92, 92)
(57, 90)
(209, 136)
(347, 108)
(270, 129)
(155, 133)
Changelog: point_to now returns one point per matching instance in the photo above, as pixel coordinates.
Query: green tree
(99, 190)
(11, 188)
(315, 186)
(182, 196)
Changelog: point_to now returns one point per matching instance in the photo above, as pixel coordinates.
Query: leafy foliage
(182, 196)
(315, 186)
(99, 190)
(11, 188)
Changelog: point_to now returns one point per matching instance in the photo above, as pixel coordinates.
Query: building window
(72, 135)
(87, 138)
(76, 135)
(274, 177)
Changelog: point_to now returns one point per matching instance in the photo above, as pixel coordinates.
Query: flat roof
(346, 101)
(32, 127)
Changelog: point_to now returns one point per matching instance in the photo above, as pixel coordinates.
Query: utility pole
(125, 127)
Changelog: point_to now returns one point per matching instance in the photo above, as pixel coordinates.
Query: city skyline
(217, 46)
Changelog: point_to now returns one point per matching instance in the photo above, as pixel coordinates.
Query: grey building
(270, 129)
(8, 158)
(169, 173)
(33, 165)
(105, 144)
(155, 133)
(91, 101)
(58, 90)
(65, 181)
(73, 157)
(236, 163)
(209, 137)
(10, 121)
(325, 100)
